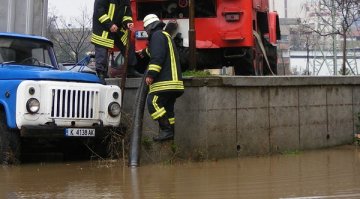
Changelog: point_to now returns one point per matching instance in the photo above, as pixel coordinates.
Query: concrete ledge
(222, 117)
(290, 80)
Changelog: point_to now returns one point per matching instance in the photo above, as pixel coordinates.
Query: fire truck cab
(238, 33)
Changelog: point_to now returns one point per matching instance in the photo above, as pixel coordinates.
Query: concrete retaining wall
(226, 117)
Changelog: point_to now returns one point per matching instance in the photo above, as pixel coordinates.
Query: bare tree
(71, 38)
(335, 17)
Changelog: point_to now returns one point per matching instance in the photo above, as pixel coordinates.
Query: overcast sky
(70, 8)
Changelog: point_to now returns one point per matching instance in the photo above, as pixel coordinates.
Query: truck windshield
(175, 8)
(22, 51)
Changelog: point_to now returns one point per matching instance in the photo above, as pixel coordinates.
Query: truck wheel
(271, 52)
(10, 144)
(273, 60)
(245, 65)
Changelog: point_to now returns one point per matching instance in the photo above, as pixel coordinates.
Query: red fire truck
(238, 33)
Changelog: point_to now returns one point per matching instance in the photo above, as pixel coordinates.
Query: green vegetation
(357, 135)
(147, 143)
(291, 152)
(174, 148)
(196, 73)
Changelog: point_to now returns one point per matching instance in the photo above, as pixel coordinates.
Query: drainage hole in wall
(238, 148)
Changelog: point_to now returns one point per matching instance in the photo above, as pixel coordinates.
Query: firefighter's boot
(173, 128)
(166, 132)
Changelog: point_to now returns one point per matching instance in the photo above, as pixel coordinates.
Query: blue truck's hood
(17, 72)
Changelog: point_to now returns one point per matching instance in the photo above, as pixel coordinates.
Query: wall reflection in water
(333, 173)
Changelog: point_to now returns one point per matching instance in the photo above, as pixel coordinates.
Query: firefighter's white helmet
(149, 19)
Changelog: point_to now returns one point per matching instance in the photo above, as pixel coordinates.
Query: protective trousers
(161, 105)
(101, 55)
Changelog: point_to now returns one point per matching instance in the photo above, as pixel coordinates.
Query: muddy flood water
(330, 173)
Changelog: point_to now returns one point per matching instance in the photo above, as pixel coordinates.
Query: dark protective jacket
(164, 64)
(107, 13)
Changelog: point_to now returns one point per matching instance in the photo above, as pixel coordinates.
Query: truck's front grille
(77, 104)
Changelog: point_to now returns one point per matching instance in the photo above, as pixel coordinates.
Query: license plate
(141, 34)
(77, 132)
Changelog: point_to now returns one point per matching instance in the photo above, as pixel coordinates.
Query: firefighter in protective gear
(163, 77)
(112, 20)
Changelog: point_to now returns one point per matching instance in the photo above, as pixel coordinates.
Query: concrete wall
(23, 16)
(234, 116)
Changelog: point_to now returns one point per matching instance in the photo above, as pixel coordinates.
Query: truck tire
(10, 144)
(245, 65)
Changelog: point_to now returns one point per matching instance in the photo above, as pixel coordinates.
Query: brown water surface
(331, 173)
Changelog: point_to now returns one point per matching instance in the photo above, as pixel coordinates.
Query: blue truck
(39, 99)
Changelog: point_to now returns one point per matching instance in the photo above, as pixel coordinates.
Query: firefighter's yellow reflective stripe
(172, 57)
(105, 34)
(124, 37)
(172, 120)
(104, 18)
(95, 41)
(155, 89)
(111, 11)
(154, 102)
(103, 38)
(127, 18)
(154, 67)
(158, 114)
(159, 111)
(102, 41)
(147, 51)
(166, 85)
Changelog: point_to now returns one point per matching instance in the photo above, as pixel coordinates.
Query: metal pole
(44, 17)
(307, 56)
(334, 43)
(286, 8)
(11, 16)
(192, 35)
(126, 62)
(29, 17)
(273, 1)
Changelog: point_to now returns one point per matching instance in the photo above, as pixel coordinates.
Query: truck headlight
(114, 109)
(32, 105)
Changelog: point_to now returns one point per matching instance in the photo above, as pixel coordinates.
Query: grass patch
(291, 152)
(147, 143)
(196, 73)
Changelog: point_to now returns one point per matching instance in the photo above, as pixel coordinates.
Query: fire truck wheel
(259, 65)
(244, 66)
(272, 57)
(10, 144)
